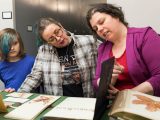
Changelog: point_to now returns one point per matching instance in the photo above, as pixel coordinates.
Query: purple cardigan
(143, 57)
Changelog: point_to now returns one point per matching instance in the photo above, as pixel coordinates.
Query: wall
(70, 13)
(6, 5)
(140, 13)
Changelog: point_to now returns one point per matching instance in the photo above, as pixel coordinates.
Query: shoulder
(142, 34)
(103, 45)
(1, 64)
(29, 58)
(83, 39)
(45, 47)
(142, 31)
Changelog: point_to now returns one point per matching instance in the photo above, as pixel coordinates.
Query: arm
(150, 55)
(144, 87)
(96, 79)
(33, 80)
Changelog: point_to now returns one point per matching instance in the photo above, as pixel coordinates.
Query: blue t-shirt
(13, 74)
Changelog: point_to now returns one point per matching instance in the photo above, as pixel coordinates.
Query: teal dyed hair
(7, 37)
(6, 41)
(38, 38)
(40, 26)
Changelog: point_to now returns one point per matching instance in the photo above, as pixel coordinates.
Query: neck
(13, 59)
(119, 44)
(121, 36)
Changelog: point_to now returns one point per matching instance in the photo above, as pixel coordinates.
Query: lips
(12, 51)
(61, 42)
(105, 34)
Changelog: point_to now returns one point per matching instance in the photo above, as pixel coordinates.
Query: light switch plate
(29, 28)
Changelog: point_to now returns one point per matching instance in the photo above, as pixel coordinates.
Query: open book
(133, 105)
(32, 108)
(72, 108)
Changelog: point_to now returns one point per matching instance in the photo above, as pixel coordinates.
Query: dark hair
(40, 26)
(109, 9)
(7, 37)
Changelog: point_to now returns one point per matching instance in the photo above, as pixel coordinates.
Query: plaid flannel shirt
(47, 68)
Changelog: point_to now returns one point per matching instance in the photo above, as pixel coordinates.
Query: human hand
(112, 92)
(98, 81)
(9, 90)
(117, 69)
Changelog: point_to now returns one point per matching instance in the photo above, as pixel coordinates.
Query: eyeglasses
(57, 33)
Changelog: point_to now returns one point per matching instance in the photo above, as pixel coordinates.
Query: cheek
(18, 47)
(99, 33)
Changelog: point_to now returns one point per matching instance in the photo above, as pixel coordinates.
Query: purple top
(143, 57)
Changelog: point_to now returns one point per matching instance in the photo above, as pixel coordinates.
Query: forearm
(144, 87)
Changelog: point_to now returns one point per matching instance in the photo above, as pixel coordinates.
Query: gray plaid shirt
(47, 68)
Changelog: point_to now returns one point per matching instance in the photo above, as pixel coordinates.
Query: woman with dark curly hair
(136, 50)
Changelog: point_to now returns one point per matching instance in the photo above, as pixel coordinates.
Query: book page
(13, 99)
(74, 108)
(20, 95)
(119, 103)
(144, 105)
(30, 109)
(131, 104)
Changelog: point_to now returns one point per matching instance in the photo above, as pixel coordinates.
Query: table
(105, 117)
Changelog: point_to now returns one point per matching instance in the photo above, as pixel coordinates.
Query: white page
(13, 99)
(74, 108)
(30, 109)
(20, 95)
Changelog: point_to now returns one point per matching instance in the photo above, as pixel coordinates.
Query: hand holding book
(133, 105)
(117, 69)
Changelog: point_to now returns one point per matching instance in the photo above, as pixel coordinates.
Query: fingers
(108, 106)
(98, 81)
(9, 90)
(112, 92)
(118, 67)
(110, 97)
(111, 87)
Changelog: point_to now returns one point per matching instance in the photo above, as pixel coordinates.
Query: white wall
(140, 13)
(6, 5)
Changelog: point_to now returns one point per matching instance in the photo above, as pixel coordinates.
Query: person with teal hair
(15, 64)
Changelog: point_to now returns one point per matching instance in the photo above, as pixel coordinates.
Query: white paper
(13, 99)
(30, 109)
(20, 95)
(74, 108)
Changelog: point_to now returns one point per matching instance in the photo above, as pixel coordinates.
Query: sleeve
(151, 56)
(95, 44)
(98, 68)
(34, 79)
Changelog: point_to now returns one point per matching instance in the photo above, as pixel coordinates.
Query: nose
(99, 28)
(57, 38)
(12, 47)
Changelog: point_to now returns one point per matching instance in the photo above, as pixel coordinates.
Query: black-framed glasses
(57, 33)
